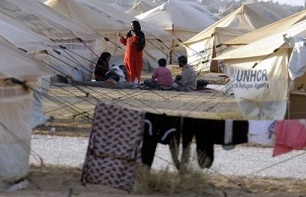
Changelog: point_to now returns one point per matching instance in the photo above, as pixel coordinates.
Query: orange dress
(133, 57)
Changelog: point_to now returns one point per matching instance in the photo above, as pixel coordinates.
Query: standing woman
(102, 66)
(135, 42)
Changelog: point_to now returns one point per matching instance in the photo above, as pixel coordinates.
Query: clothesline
(118, 130)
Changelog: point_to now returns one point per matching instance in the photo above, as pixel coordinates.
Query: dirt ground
(58, 181)
(71, 110)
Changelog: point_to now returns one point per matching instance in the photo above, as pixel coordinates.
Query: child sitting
(161, 77)
(116, 73)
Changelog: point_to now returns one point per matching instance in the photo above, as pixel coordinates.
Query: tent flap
(261, 91)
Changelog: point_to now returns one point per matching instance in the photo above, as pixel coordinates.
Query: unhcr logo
(260, 75)
(249, 79)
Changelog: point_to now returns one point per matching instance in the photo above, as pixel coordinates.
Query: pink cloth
(289, 135)
(163, 76)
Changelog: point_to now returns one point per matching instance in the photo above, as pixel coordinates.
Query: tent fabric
(297, 62)
(268, 29)
(24, 67)
(268, 59)
(267, 45)
(249, 16)
(38, 116)
(180, 18)
(261, 92)
(245, 19)
(76, 64)
(109, 22)
(117, 7)
(178, 15)
(32, 42)
(45, 21)
(16, 111)
(22, 37)
(228, 10)
(48, 22)
(139, 8)
(102, 17)
(16, 63)
(15, 133)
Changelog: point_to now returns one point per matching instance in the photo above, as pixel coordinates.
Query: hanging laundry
(160, 128)
(229, 133)
(289, 135)
(262, 132)
(200, 129)
(114, 146)
(207, 133)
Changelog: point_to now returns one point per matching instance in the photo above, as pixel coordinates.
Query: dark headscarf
(103, 57)
(102, 67)
(142, 39)
(137, 26)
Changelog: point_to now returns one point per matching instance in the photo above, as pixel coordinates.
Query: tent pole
(288, 102)
(172, 46)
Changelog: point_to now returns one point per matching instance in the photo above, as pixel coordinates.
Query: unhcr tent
(139, 8)
(180, 18)
(45, 21)
(267, 30)
(22, 37)
(228, 10)
(259, 72)
(202, 47)
(117, 7)
(31, 42)
(109, 22)
(16, 111)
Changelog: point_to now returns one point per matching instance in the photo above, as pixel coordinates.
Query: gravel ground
(241, 161)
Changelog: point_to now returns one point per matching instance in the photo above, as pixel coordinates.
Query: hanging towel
(289, 135)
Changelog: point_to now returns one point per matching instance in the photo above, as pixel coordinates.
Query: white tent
(16, 111)
(228, 10)
(23, 37)
(117, 7)
(109, 22)
(31, 69)
(182, 19)
(139, 8)
(205, 45)
(47, 22)
(31, 42)
(259, 71)
(267, 30)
